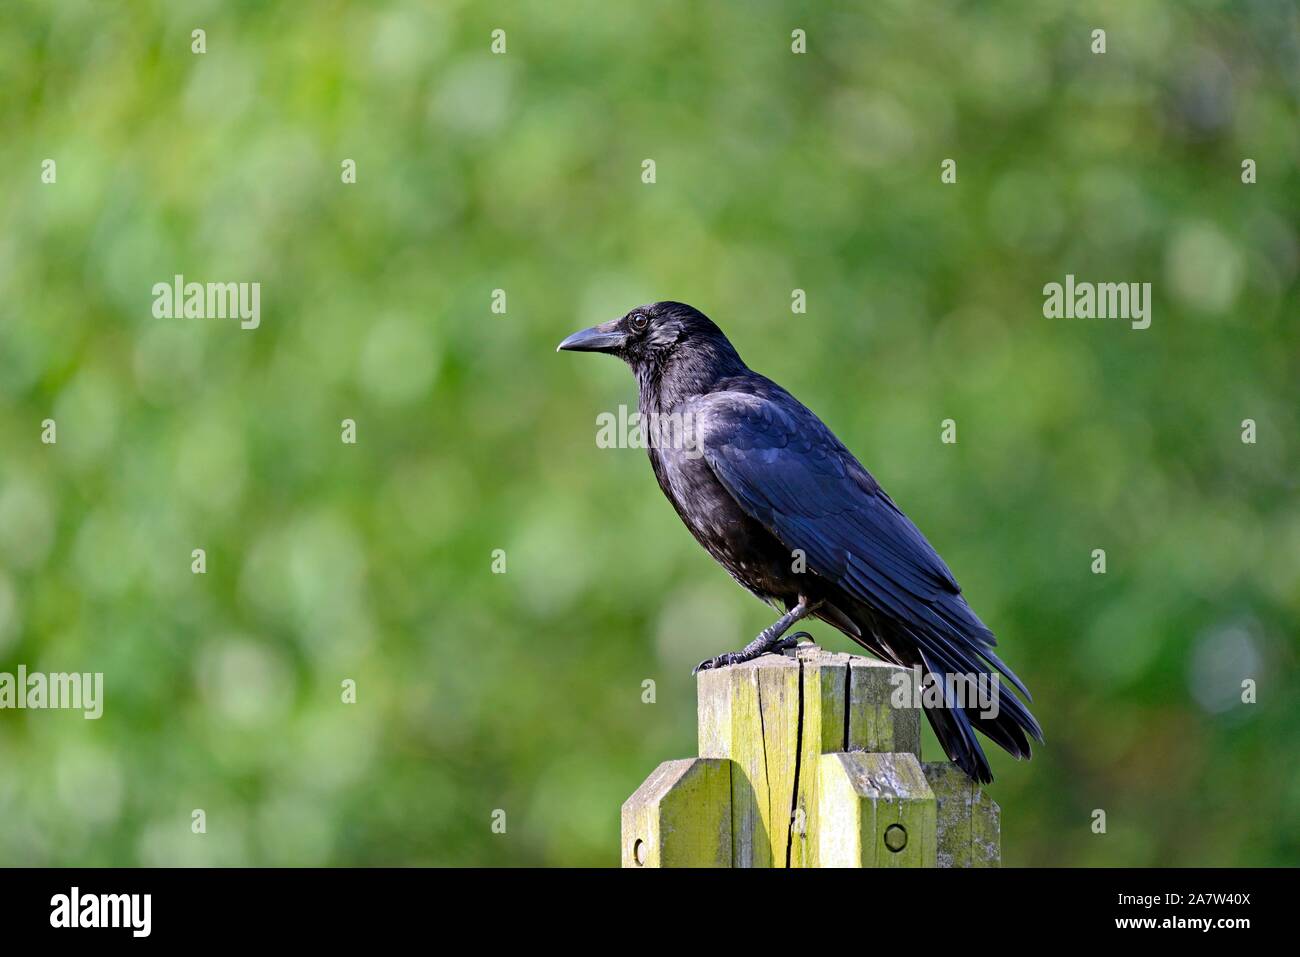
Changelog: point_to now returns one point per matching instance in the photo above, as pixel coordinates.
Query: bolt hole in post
(639, 852)
(895, 837)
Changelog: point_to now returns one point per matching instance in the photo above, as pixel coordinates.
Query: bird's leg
(769, 639)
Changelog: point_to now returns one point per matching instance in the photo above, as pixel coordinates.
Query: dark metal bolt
(895, 837)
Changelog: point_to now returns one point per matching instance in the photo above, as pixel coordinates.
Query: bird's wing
(787, 470)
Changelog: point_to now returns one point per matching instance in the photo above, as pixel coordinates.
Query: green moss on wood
(680, 816)
(876, 811)
(969, 821)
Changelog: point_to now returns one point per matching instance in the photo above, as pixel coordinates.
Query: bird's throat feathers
(694, 367)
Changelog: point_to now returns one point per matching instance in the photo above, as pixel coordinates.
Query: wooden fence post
(970, 823)
(876, 811)
(809, 759)
(680, 816)
(749, 714)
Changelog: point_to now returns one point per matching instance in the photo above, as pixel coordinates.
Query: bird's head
(656, 335)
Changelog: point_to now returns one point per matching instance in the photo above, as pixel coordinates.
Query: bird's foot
(721, 661)
(790, 641)
(749, 654)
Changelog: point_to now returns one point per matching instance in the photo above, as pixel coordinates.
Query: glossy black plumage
(760, 480)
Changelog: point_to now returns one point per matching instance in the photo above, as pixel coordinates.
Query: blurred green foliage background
(523, 691)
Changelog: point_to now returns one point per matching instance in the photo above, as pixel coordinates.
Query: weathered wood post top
(809, 759)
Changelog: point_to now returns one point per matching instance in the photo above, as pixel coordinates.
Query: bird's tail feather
(955, 722)
(968, 657)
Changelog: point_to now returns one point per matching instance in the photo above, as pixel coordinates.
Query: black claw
(790, 641)
(721, 661)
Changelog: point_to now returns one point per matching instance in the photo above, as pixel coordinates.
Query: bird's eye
(639, 322)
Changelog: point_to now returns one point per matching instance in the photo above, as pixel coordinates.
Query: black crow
(788, 511)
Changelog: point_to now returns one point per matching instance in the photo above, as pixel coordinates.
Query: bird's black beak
(606, 337)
